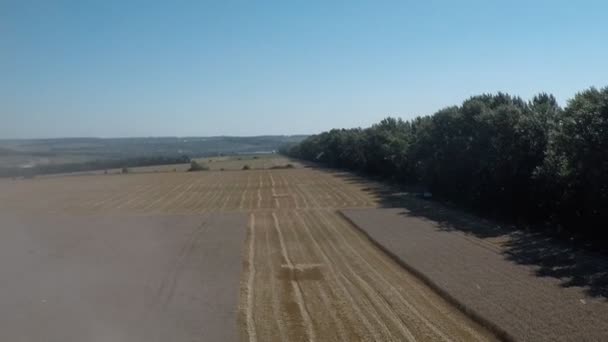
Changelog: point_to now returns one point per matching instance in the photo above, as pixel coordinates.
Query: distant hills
(28, 153)
(7, 152)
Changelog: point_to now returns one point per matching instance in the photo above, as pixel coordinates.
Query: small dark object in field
(286, 166)
(124, 170)
(246, 167)
(196, 166)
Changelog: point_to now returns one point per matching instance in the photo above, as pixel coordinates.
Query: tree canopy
(495, 153)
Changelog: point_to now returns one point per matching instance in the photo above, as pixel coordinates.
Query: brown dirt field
(120, 278)
(478, 274)
(183, 193)
(308, 273)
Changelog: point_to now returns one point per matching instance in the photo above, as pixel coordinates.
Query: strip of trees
(92, 165)
(497, 154)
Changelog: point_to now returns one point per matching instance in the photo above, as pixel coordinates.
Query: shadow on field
(573, 263)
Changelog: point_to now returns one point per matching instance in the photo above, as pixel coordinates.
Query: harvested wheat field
(307, 273)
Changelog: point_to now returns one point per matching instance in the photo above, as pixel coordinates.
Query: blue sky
(179, 68)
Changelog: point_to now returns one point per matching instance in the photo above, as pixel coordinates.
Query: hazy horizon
(114, 70)
(159, 137)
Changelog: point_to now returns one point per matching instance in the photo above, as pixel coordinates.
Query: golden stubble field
(308, 275)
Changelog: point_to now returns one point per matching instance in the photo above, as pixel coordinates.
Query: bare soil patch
(129, 278)
(479, 275)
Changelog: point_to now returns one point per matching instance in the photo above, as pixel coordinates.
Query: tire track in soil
(259, 193)
(297, 290)
(250, 273)
(166, 290)
(277, 204)
(244, 193)
(314, 288)
(274, 287)
(290, 192)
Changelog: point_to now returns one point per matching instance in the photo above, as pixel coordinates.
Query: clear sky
(141, 68)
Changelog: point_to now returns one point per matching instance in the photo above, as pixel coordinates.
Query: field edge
(499, 332)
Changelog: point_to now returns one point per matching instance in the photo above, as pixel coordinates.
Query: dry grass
(183, 193)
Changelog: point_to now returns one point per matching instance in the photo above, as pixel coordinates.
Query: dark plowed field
(478, 275)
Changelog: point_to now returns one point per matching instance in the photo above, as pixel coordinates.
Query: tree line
(495, 153)
(92, 165)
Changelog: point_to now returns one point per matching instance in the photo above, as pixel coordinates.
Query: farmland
(307, 274)
(33, 152)
(185, 193)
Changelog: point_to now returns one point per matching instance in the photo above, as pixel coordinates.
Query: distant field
(307, 273)
(260, 161)
(184, 192)
(224, 163)
(29, 153)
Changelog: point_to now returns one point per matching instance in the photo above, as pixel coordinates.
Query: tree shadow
(575, 265)
(573, 262)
